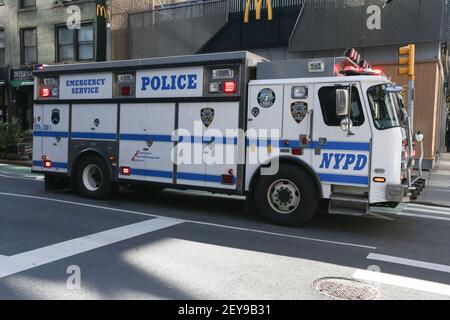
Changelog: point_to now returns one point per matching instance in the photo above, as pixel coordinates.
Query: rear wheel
(288, 198)
(92, 178)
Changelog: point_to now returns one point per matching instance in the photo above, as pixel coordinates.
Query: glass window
(27, 4)
(75, 45)
(86, 43)
(327, 97)
(66, 46)
(29, 46)
(385, 107)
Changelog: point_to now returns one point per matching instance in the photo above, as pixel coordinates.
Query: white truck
(284, 134)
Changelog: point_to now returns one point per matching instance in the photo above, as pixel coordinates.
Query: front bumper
(403, 192)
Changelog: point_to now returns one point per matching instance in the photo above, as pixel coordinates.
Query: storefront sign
(22, 74)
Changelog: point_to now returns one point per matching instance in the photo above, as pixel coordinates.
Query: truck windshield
(386, 107)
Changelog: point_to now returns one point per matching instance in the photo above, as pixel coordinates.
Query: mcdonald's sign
(258, 6)
(101, 34)
(101, 10)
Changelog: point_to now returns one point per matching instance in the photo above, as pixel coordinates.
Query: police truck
(285, 134)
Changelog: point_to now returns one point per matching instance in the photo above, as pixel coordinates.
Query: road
(189, 245)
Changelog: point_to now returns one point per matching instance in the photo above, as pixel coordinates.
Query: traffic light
(406, 60)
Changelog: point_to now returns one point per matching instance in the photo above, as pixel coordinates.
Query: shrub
(10, 134)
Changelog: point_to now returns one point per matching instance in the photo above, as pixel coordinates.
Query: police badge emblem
(56, 116)
(299, 110)
(266, 98)
(207, 115)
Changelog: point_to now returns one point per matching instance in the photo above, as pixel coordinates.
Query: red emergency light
(45, 92)
(229, 87)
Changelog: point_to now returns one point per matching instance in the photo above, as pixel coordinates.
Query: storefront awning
(21, 83)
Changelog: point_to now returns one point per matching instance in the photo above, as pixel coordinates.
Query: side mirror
(419, 136)
(342, 102)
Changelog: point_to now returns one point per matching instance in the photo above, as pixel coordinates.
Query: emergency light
(360, 67)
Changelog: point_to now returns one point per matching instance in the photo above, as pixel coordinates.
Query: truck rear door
(51, 138)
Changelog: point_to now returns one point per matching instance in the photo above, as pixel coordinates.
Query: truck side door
(341, 157)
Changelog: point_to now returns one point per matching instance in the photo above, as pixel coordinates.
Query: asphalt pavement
(191, 245)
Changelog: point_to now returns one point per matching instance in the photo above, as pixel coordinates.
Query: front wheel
(93, 179)
(288, 198)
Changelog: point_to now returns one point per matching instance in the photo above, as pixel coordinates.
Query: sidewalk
(18, 163)
(437, 191)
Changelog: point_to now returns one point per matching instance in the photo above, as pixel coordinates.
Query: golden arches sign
(101, 11)
(258, 5)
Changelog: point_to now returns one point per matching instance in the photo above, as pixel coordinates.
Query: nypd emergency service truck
(284, 134)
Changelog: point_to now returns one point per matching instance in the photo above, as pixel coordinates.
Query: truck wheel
(92, 178)
(288, 198)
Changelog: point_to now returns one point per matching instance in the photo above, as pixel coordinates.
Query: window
(28, 46)
(25, 4)
(386, 107)
(2, 47)
(75, 45)
(327, 97)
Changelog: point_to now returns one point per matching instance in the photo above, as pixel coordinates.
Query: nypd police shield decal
(299, 110)
(207, 116)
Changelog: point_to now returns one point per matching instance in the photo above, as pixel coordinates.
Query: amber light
(379, 180)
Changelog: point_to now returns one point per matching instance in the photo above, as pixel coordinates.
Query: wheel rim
(284, 196)
(92, 177)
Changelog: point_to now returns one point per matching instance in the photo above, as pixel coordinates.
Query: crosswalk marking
(410, 262)
(404, 282)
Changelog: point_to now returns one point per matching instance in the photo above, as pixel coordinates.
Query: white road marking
(409, 262)
(189, 221)
(404, 282)
(35, 258)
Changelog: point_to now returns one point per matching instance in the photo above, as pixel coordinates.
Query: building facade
(295, 29)
(41, 32)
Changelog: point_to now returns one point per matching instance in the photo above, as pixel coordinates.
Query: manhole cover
(346, 289)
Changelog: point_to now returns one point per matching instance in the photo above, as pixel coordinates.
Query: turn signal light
(379, 180)
(47, 164)
(126, 171)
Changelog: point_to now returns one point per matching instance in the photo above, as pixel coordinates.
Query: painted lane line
(404, 282)
(281, 234)
(409, 262)
(189, 221)
(42, 256)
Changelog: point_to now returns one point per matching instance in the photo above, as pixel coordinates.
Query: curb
(17, 163)
(433, 204)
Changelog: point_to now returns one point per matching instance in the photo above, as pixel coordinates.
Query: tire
(55, 183)
(288, 198)
(93, 178)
